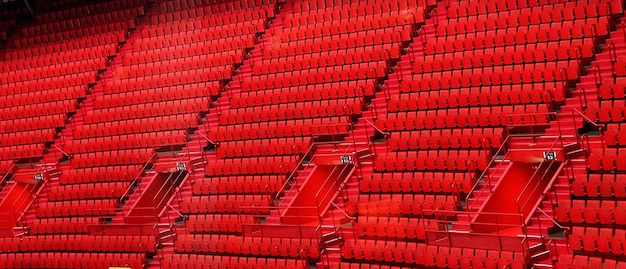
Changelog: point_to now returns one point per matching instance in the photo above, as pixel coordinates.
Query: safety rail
(162, 203)
(207, 138)
(474, 188)
(294, 172)
(136, 180)
(385, 134)
(556, 223)
(60, 150)
(512, 122)
(441, 234)
(601, 128)
(10, 171)
(330, 194)
(535, 180)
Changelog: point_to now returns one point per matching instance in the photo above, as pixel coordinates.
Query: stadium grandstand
(303, 134)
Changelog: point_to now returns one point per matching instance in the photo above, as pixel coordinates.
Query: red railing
(476, 185)
(136, 180)
(294, 172)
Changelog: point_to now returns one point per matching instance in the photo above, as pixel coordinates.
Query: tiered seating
(418, 254)
(11, 12)
(49, 65)
(479, 70)
(586, 262)
(204, 261)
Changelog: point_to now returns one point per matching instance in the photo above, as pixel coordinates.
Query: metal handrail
(61, 150)
(588, 120)
(207, 138)
(528, 183)
(484, 173)
(574, 110)
(295, 170)
(552, 219)
(136, 179)
(385, 134)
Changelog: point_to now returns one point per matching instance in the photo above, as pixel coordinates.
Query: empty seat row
(43, 96)
(165, 108)
(33, 123)
(71, 34)
(607, 160)
(600, 185)
(462, 98)
(166, 80)
(431, 255)
(132, 141)
(172, 66)
(40, 109)
(79, 242)
(198, 261)
(251, 166)
(81, 67)
(22, 151)
(420, 182)
(85, 10)
(354, 8)
(312, 76)
(580, 261)
(279, 146)
(233, 204)
(466, 9)
(519, 21)
(214, 19)
(214, 32)
(78, 225)
(416, 140)
(414, 11)
(591, 212)
(84, 21)
(523, 17)
(72, 260)
(478, 59)
(217, 45)
(290, 111)
(117, 157)
(65, 81)
(593, 239)
(565, 37)
(323, 59)
(152, 95)
(74, 50)
(342, 42)
(277, 129)
(27, 137)
(393, 228)
(100, 174)
(466, 118)
(610, 90)
(441, 160)
(218, 223)
(137, 126)
(312, 92)
(77, 208)
(401, 205)
(228, 244)
(7, 166)
(257, 184)
(88, 191)
(183, 51)
(311, 31)
(606, 111)
(459, 80)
